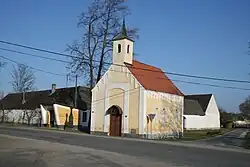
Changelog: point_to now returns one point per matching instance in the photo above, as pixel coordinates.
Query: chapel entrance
(115, 113)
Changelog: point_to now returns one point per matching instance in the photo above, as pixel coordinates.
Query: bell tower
(123, 47)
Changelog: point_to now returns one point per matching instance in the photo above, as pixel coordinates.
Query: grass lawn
(246, 143)
(202, 134)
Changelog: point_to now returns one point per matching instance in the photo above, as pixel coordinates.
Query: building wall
(211, 120)
(117, 87)
(45, 115)
(168, 110)
(60, 115)
(16, 116)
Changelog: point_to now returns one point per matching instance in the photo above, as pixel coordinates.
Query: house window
(119, 48)
(84, 116)
(128, 49)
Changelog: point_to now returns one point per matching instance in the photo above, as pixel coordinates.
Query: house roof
(13, 100)
(63, 96)
(193, 104)
(192, 107)
(152, 78)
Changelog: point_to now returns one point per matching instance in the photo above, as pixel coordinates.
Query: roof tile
(152, 78)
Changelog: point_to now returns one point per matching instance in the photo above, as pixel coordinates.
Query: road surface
(134, 153)
(232, 139)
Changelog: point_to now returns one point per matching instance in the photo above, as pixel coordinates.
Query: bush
(229, 124)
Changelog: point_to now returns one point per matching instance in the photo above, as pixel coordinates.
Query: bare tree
(101, 23)
(4, 113)
(30, 115)
(23, 78)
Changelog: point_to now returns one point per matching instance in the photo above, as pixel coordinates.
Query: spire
(124, 30)
(123, 34)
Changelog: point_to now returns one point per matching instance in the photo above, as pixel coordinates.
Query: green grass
(202, 134)
(246, 143)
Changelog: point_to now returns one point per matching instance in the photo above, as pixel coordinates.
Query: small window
(119, 48)
(128, 49)
(84, 116)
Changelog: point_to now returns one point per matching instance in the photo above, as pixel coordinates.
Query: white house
(27, 107)
(201, 112)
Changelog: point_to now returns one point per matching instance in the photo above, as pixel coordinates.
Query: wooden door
(115, 125)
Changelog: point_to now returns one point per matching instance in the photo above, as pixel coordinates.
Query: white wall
(16, 116)
(210, 121)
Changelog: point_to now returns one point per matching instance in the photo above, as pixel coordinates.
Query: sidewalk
(175, 143)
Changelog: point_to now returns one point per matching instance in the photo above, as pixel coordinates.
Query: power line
(33, 55)
(37, 69)
(193, 83)
(211, 85)
(170, 73)
(130, 90)
(188, 82)
(37, 49)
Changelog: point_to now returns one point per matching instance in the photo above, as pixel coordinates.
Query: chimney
(53, 89)
(23, 98)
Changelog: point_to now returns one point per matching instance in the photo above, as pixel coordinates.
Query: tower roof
(123, 34)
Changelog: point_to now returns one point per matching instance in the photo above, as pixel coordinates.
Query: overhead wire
(33, 55)
(188, 82)
(169, 73)
(196, 83)
(43, 57)
(36, 69)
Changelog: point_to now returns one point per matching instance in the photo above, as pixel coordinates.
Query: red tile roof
(152, 78)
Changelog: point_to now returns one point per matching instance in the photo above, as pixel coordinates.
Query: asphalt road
(20, 152)
(152, 152)
(232, 139)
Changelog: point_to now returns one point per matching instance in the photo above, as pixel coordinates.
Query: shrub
(229, 124)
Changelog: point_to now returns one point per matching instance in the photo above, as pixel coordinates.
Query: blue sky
(207, 38)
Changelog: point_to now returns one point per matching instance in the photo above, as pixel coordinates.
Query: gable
(117, 75)
(152, 78)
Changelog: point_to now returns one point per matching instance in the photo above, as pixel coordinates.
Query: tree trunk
(71, 119)
(104, 44)
(28, 121)
(2, 121)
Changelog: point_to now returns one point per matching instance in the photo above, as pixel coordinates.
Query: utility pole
(76, 92)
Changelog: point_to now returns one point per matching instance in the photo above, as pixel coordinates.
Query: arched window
(128, 49)
(119, 48)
